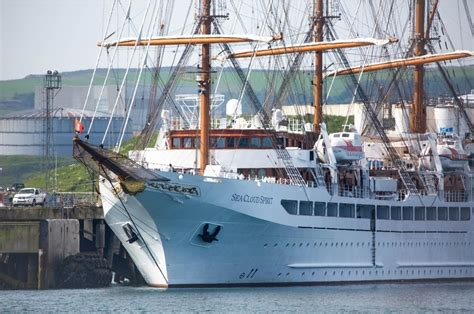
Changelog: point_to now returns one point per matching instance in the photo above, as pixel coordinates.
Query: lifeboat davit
(347, 147)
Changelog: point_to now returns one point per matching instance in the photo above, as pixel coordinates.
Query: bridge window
(319, 209)
(255, 142)
(365, 211)
(396, 213)
(442, 213)
(290, 206)
(419, 213)
(176, 143)
(430, 213)
(454, 213)
(266, 142)
(306, 208)
(346, 210)
(332, 209)
(217, 142)
(244, 142)
(407, 213)
(465, 213)
(230, 142)
(188, 142)
(383, 212)
(197, 142)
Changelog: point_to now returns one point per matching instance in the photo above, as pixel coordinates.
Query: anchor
(208, 237)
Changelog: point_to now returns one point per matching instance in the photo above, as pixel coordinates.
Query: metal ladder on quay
(293, 174)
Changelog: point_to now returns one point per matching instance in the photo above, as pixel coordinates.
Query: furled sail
(311, 47)
(405, 62)
(188, 39)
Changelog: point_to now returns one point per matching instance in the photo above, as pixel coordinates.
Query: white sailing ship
(254, 203)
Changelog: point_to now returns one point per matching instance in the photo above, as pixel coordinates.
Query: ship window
(266, 142)
(255, 142)
(306, 208)
(332, 209)
(311, 155)
(383, 212)
(396, 213)
(244, 142)
(261, 173)
(219, 142)
(407, 213)
(365, 211)
(187, 142)
(337, 135)
(430, 213)
(465, 213)
(442, 213)
(419, 213)
(454, 213)
(319, 209)
(197, 142)
(290, 206)
(346, 210)
(176, 142)
(345, 135)
(230, 142)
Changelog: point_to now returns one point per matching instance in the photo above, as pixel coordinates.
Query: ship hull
(259, 243)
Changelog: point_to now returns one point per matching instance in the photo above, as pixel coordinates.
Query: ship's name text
(251, 199)
(177, 188)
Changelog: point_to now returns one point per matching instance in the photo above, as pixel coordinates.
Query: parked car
(29, 196)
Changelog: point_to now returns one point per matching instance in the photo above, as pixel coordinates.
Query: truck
(29, 197)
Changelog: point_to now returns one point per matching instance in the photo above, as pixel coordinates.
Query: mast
(205, 86)
(318, 66)
(418, 112)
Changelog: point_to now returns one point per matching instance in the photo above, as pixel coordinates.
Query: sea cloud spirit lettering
(255, 199)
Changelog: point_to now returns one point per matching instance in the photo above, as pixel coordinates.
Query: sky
(39, 35)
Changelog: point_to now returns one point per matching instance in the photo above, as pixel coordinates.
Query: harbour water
(429, 297)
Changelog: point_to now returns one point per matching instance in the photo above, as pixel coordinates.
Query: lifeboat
(347, 147)
(451, 153)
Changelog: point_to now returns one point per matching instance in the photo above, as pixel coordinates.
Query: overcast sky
(37, 35)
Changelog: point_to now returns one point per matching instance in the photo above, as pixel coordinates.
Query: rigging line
(133, 222)
(98, 59)
(253, 57)
(132, 100)
(152, 119)
(122, 28)
(216, 29)
(126, 72)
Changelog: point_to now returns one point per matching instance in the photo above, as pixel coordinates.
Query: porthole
(325, 273)
(265, 245)
(279, 274)
(302, 274)
(334, 273)
(275, 245)
(312, 274)
(287, 274)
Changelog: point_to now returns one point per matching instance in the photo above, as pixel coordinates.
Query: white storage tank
(23, 133)
(448, 120)
(401, 116)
